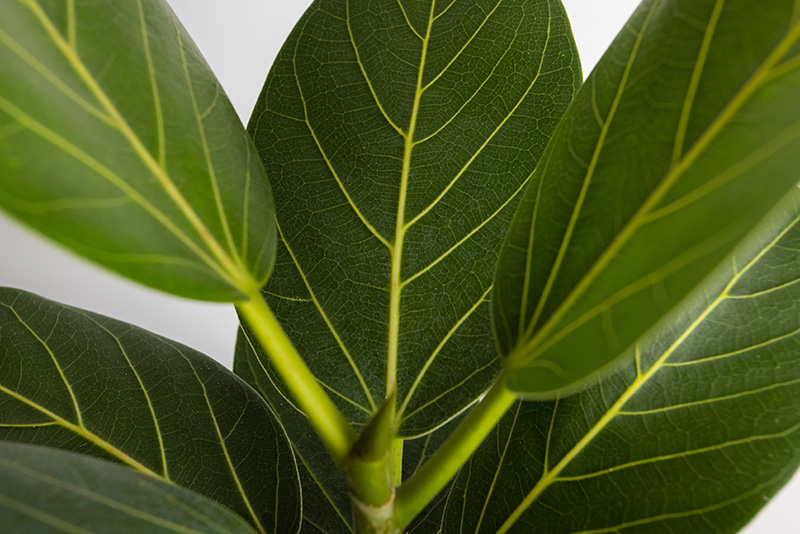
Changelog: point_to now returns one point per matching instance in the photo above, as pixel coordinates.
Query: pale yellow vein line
(562, 251)
(447, 392)
(464, 47)
(694, 82)
(676, 515)
(266, 373)
(546, 466)
(765, 291)
(464, 239)
(528, 274)
(405, 16)
(675, 172)
(71, 26)
(704, 402)
(201, 130)
(476, 92)
(497, 471)
(438, 349)
(41, 516)
(637, 384)
(396, 287)
(224, 448)
(54, 359)
(749, 162)
(324, 492)
(327, 320)
(738, 352)
(329, 164)
(75, 152)
(102, 499)
(151, 70)
(57, 82)
(364, 73)
(345, 398)
(488, 140)
(242, 280)
(151, 408)
(651, 279)
(445, 10)
(83, 432)
(248, 178)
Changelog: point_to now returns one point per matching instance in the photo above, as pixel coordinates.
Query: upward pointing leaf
(398, 135)
(684, 136)
(117, 141)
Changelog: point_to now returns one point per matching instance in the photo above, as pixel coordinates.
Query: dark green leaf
(85, 383)
(50, 491)
(397, 135)
(326, 506)
(117, 141)
(685, 135)
(694, 434)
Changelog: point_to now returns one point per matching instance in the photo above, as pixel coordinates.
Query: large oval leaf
(694, 434)
(398, 135)
(47, 491)
(684, 136)
(85, 383)
(117, 141)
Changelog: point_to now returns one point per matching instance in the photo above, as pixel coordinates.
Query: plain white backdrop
(240, 39)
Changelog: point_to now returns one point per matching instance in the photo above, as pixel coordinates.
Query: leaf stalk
(331, 426)
(436, 473)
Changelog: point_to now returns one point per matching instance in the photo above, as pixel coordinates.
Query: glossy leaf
(684, 136)
(695, 433)
(85, 383)
(397, 136)
(46, 491)
(117, 141)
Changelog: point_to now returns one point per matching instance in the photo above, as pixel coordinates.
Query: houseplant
(718, 15)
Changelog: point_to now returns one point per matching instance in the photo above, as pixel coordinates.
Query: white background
(240, 39)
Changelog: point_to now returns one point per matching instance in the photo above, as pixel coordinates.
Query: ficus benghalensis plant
(476, 293)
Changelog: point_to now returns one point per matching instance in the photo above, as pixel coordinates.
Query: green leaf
(397, 136)
(680, 141)
(117, 141)
(326, 505)
(695, 433)
(47, 491)
(85, 383)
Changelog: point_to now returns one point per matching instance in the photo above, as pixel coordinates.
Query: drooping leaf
(117, 141)
(81, 382)
(685, 135)
(694, 434)
(47, 491)
(397, 136)
(326, 506)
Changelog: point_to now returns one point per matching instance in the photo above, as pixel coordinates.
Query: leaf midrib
(231, 272)
(759, 78)
(640, 381)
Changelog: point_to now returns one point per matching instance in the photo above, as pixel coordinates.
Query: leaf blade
(695, 432)
(49, 497)
(85, 383)
(650, 195)
(106, 110)
(369, 157)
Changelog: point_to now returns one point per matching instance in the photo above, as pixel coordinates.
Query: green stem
(420, 489)
(334, 430)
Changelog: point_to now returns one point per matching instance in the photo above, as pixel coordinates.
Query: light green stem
(420, 489)
(334, 430)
